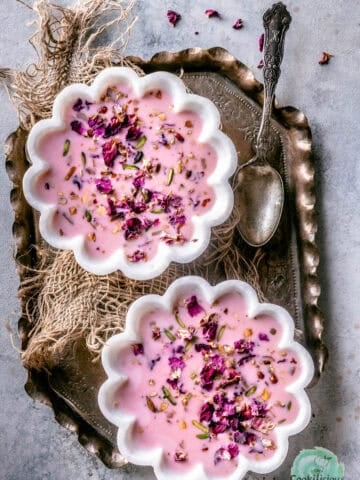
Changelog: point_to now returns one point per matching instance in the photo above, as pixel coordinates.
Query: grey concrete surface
(32, 445)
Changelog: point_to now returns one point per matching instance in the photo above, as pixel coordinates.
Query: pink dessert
(207, 383)
(127, 173)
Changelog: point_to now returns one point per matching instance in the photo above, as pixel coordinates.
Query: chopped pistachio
(66, 147)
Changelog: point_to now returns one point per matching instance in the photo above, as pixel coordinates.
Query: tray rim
(218, 60)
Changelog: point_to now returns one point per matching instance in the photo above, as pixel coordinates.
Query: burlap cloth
(66, 303)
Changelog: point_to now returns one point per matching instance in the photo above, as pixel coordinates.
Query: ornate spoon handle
(276, 22)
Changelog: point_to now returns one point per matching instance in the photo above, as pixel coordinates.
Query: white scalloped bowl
(109, 397)
(217, 180)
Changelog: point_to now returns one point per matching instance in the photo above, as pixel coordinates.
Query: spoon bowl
(260, 208)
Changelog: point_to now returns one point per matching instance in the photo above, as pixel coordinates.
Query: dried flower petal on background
(260, 64)
(325, 58)
(173, 17)
(261, 42)
(238, 24)
(212, 13)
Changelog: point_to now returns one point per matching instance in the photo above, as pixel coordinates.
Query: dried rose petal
(173, 17)
(78, 127)
(260, 64)
(156, 333)
(78, 105)
(96, 123)
(133, 134)
(173, 382)
(238, 24)
(206, 412)
(202, 347)
(137, 256)
(261, 42)
(109, 151)
(138, 349)
(263, 337)
(233, 449)
(210, 329)
(325, 58)
(180, 456)
(132, 227)
(176, 363)
(177, 219)
(244, 346)
(76, 180)
(221, 454)
(214, 367)
(103, 185)
(114, 127)
(212, 13)
(193, 307)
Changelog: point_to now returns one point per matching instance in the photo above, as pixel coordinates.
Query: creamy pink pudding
(207, 384)
(127, 173)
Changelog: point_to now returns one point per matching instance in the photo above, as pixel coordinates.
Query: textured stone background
(32, 445)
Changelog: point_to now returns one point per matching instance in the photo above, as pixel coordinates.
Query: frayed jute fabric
(64, 303)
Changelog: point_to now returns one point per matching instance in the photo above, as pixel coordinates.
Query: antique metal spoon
(260, 191)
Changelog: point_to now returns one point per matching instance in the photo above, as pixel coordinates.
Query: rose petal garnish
(180, 456)
(138, 349)
(206, 412)
(109, 151)
(263, 337)
(103, 185)
(221, 454)
(78, 105)
(133, 134)
(260, 64)
(176, 362)
(261, 42)
(238, 24)
(77, 127)
(233, 449)
(76, 180)
(137, 256)
(244, 346)
(212, 13)
(325, 58)
(173, 17)
(132, 227)
(193, 306)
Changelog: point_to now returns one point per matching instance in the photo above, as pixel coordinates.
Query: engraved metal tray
(288, 263)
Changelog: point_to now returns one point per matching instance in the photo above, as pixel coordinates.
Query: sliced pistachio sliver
(200, 426)
(203, 436)
(251, 391)
(88, 215)
(66, 147)
(170, 335)
(157, 210)
(83, 159)
(150, 404)
(168, 395)
(141, 142)
(190, 343)
(170, 176)
(220, 333)
(178, 319)
(129, 166)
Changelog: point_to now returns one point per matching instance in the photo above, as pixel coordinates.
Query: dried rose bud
(212, 13)
(238, 24)
(173, 17)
